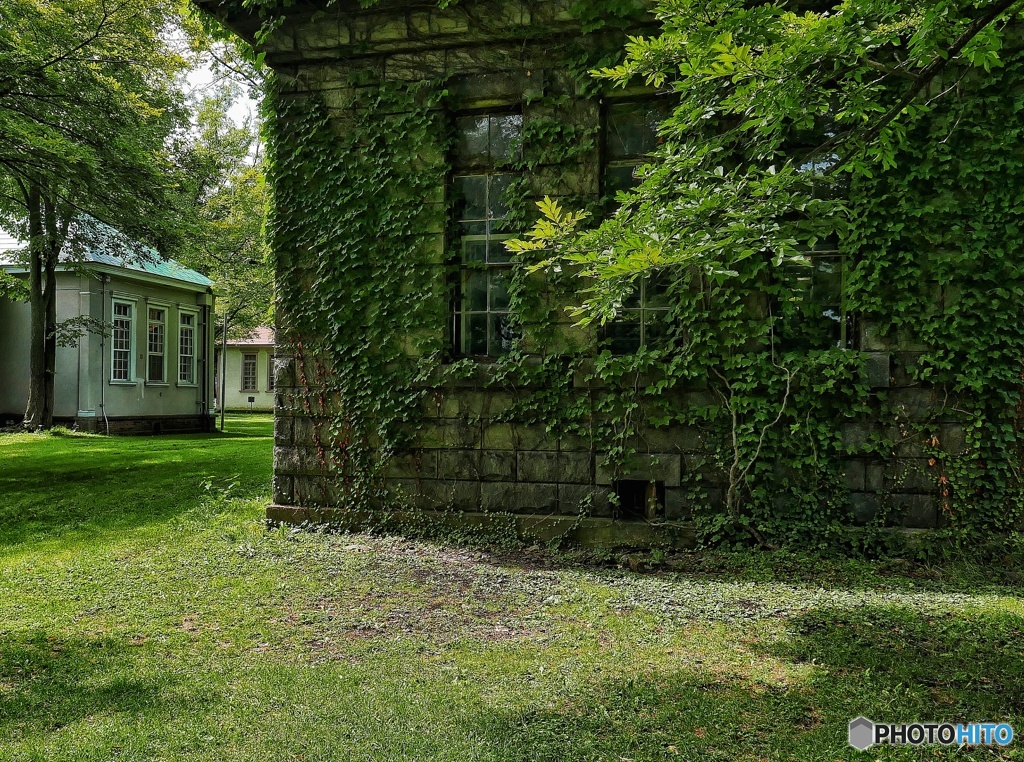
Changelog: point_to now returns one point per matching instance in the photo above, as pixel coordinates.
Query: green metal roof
(153, 264)
(100, 244)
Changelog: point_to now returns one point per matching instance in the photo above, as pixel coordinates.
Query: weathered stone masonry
(466, 461)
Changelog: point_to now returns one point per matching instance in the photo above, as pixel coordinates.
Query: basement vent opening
(639, 499)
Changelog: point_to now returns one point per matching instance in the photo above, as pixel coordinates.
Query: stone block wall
(467, 457)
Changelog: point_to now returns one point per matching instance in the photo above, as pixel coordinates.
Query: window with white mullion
(186, 348)
(643, 319)
(156, 346)
(630, 137)
(121, 342)
(487, 144)
(249, 366)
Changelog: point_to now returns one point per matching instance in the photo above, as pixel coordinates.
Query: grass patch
(146, 613)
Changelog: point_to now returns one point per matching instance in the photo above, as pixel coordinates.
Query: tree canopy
(224, 196)
(88, 98)
(774, 103)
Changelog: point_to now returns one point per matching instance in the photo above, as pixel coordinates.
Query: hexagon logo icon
(862, 733)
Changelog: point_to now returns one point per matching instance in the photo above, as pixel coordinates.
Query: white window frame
(270, 372)
(133, 305)
(195, 332)
(255, 373)
(162, 381)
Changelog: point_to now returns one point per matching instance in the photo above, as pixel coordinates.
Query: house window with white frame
(249, 366)
(186, 348)
(121, 342)
(156, 346)
(270, 373)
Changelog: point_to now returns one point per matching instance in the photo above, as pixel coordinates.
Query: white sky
(201, 79)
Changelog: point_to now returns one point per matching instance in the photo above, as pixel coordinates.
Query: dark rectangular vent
(639, 500)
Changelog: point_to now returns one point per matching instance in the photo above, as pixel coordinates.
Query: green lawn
(145, 613)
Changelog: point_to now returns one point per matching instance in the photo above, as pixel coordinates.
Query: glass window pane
(656, 290)
(502, 336)
(474, 249)
(473, 140)
(475, 297)
(634, 299)
(497, 194)
(474, 229)
(620, 178)
(497, 252)
(156, 338)
(631, 129)
(656, 323)
(506, 137)
(470, 197)
(623, 336)
(474, 334)
(827, 281)
(499, 289)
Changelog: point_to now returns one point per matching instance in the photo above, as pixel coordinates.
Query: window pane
(484, 143)
(497, 252)
(476, 291)
(499, 289)
(473, 139)
(502, 336)
(496, 206)
(474, 249)
(655, 327)
(186, 350)
(632, 129)
(827, 281)
(624, 335)
(506, 137)
(656, 291)
(471, 197)
(156, 338)
(121, 342)
(122, 334)
(248, 373)
(474, 337)
(156, 368)
(620, 179)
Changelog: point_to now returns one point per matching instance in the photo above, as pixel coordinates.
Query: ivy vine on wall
(747, 367)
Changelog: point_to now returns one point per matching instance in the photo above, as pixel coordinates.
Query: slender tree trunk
(55, 236)
(50, 338)
(46, 241)
(36, 409)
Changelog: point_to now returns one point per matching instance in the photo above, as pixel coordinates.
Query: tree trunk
(36, 410)
(44, 249)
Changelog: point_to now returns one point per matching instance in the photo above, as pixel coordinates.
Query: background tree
(89, 98)
(223, 187)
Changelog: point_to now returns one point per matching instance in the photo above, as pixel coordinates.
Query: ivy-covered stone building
(423, 369)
